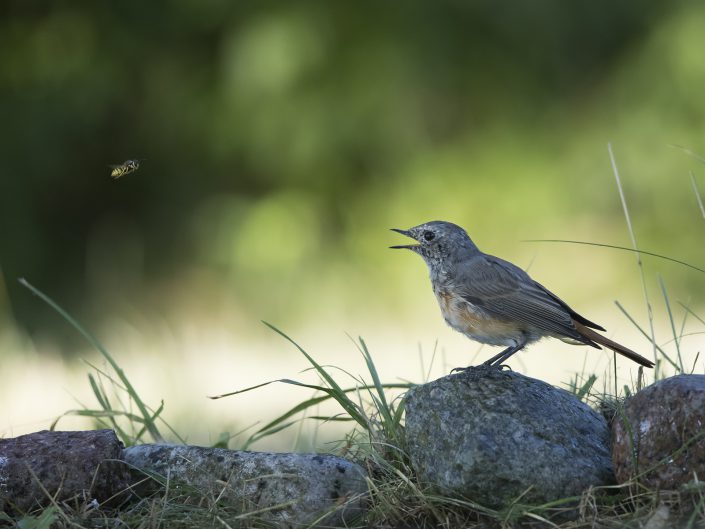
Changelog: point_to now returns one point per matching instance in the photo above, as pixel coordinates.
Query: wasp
(126, 167)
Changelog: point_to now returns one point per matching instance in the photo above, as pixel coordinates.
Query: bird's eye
(428, 235)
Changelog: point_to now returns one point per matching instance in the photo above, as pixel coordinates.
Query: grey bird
(494, 302)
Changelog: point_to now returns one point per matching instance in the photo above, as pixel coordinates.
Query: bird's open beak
(407, 246)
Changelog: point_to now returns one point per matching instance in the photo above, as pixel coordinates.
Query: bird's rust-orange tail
(617, 348)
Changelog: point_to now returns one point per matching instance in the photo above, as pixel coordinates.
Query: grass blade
(615, 247)
(373, 373)
(673, 323)
(230, 394)
(389, 424)
(697, 193)
(335, 390)
(260, 435)
(642, 331)
(689, 152)
(99, 393)
(151, 427)
(640, 264)
(269, 428)
(302, 406)
(584, 390)
(681, 333)
(690, 311)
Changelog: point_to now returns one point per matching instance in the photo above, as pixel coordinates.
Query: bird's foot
(497, 366)
(484, 365)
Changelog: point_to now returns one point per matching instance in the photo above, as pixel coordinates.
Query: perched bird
(494, 302)
(126, 167)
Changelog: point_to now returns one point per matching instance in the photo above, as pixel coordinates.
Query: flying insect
(125, 168)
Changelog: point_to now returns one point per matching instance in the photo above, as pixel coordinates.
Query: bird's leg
(498, 359)
(498, 356)
(508, 351)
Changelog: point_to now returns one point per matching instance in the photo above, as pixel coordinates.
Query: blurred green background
(281, 140)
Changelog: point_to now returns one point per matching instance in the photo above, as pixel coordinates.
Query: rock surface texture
(70, 466)
(667, 441)
(289, 490)
(492, 436)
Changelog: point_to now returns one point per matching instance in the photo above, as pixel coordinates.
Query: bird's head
(440, 243)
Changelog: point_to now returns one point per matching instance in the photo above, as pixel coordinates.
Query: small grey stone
(667, 424)
(72, 466)
(305, 485)
(492, 435)
(660, 519)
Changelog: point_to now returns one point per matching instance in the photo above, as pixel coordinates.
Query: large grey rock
(76, 467)
(289, 490)
(491, 436)
(666, 421)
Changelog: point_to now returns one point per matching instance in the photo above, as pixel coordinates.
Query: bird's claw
(501, 367)
(498, 366)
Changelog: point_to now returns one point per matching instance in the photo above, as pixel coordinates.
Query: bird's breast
(475, 322)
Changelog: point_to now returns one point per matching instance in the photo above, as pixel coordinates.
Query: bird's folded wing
(506, 291)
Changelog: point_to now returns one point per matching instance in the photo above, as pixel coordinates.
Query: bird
(493, 301)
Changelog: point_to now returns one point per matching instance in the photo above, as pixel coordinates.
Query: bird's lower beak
(406, 246)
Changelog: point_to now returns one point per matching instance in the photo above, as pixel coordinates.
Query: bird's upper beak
(407, 246)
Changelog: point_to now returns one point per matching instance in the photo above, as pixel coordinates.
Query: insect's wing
(127, 167)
